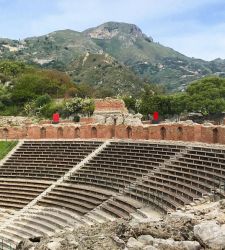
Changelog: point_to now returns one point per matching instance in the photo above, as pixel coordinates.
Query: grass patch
(6, 147)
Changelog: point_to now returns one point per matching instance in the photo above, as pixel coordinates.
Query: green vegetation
(205, 96)
(33, 91)
(134, 57)
(6, 147)
(74, 107)
(104, 76)
(26, 89)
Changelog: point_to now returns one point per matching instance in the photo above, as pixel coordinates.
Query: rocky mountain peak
(111, 29)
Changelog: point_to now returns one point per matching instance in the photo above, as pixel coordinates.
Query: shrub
(43, 100)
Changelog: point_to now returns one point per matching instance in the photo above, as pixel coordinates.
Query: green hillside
(125, 43)
(104, 74)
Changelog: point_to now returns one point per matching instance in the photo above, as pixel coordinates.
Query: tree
(178, 103)
(207, 96)
(12, 68)
(30, 86)
(79, 106)
(43, 100)
(130, 103)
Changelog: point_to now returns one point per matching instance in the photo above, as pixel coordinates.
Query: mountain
(105, 74)
(124, 43)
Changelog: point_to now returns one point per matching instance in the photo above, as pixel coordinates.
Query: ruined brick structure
(109, 105)
(125, 126)
(176, 131)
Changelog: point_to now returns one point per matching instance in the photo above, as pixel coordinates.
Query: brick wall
(181, 132)
(109, 104)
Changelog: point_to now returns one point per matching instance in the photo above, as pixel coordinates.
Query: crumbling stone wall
(175, 131)
(108, 105)
(14, 120)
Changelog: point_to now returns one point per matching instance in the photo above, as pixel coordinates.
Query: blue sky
(193, 27)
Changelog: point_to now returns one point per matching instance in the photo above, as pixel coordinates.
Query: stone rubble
(119, 119)
(202, 227)
(14, 121)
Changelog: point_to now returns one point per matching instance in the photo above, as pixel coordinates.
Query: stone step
(95, 217)
(87, 221)
(103, 215)
(67, 175)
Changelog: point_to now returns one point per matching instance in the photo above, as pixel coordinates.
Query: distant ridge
(125, 43)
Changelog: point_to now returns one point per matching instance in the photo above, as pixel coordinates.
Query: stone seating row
(122, 166)
(62, 143)
(215, 158)
(17, 193)
(72, 152)
(116, 168)
(208, 149)
(119, 147)
(48, 167)
(55, 150)
(210, 174)
(60, 208)
(133, 158)
(146, 145)
(121, 206)
(130, 171)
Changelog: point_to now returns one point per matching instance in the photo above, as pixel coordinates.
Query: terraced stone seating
(47, 160)
(39, 221)
(16, 193)
(196, 173)
(78, 199)
(205, 163)
(122, 163)
(117, 182)
(52, 214)
(63, 206)
(116, 167)
(121, 206)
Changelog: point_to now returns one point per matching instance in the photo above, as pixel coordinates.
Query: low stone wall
(14, 120)
(176, 132)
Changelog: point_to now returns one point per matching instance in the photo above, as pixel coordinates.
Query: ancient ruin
(112, 182)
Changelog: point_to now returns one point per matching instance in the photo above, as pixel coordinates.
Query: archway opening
(43, 133)
(215, 135)
(94, 132)
(77, 133)
(163, 133)
(59, 133)
(129, 132)
(180, 133)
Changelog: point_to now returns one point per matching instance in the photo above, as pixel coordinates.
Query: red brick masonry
(109, 104)
(181, 132)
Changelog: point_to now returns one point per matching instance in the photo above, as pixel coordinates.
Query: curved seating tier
(63, 206)
(195, 173)
(116, 182)
(121, 163)
(121, 206)
(79, 199)
(16, 193)
(47, 160)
